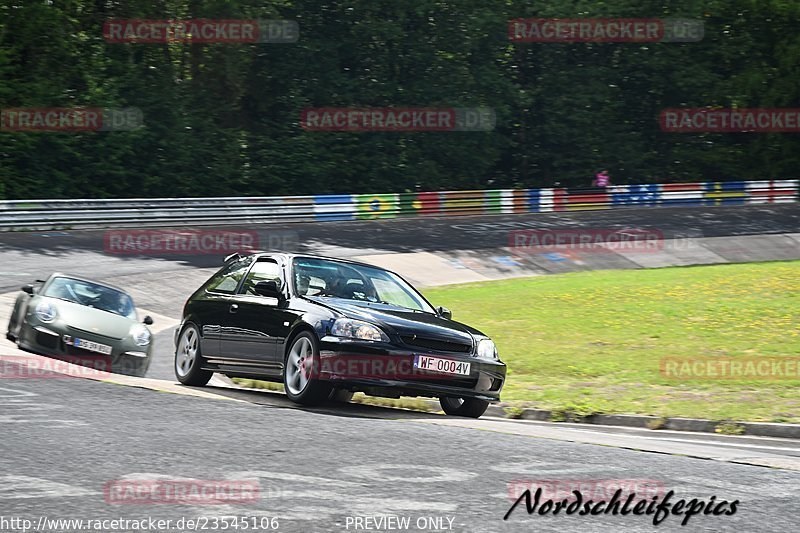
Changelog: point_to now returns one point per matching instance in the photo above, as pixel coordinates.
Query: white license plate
(92, 346)
(438, 364)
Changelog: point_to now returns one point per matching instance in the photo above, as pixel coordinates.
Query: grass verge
(592, 342)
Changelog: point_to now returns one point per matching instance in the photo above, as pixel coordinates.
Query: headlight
(487, 349)
(357, 329)
(140, 334)
(45, 311)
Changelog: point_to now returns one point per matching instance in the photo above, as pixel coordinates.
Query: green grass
(258, 384)
(591, 342)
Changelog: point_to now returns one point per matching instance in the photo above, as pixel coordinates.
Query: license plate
(438, 364)
(92, 346)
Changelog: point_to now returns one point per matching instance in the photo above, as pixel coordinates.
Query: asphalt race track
(71, 437)
(345, 468)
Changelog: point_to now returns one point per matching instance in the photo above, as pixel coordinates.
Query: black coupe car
(327, 328)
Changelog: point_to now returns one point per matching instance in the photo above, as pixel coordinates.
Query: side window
(261, 271)
(228, 279)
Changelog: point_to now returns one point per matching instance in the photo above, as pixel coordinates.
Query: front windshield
(91, 295)
(333, 279)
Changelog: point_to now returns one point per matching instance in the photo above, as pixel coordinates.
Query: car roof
(81, 278)
(290, 256)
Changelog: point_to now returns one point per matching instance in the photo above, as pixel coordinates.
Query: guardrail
(65, 214)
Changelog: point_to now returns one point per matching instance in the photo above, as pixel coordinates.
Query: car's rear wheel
(469, 407)
(300, 372)
(189, 360)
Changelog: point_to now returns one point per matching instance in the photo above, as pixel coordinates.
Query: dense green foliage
(222, 119)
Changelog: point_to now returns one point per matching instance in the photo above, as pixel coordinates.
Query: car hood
(403, 321)
(91, 319)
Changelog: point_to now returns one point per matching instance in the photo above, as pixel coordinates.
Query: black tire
(468, 407)
(301, 385)
(340, 396)
(190, 372)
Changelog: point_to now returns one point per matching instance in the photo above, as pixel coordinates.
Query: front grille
(438, 345)
(46, 340)
(462, 382)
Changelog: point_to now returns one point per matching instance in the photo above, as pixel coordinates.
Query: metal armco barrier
(65, 214)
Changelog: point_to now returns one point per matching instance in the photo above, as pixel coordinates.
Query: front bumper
(53, 340)
(388, 370)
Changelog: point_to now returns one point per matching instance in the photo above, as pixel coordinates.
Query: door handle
(233, 308)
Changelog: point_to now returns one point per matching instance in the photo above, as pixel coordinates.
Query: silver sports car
(84, 322)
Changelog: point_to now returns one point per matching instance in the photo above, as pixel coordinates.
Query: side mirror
(268, 288)
(28, 289)
(148, 320)
(444, 312)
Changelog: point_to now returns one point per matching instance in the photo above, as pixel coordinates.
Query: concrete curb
(41, 367)
(761, 429)
(654, 423)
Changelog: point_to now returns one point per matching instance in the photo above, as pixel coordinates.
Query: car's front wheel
(189, 360)
(300, 372)
(469, 407)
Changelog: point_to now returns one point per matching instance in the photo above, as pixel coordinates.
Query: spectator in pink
(602, 179)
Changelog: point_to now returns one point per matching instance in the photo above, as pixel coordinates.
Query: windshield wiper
(63, 299)
(382, 302)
